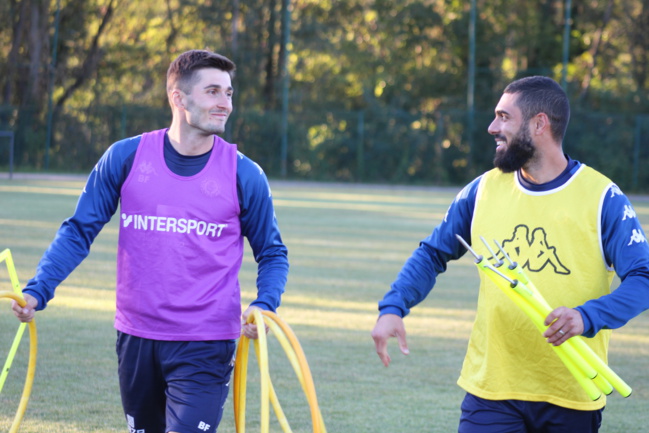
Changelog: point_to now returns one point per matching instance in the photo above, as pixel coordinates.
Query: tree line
(377, 89)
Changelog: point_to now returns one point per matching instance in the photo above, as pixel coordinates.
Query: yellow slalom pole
(580, 371)
(616, 381)
(527, 289)
(11, 355)
(574, 352)
(607, 379)
(581, 347)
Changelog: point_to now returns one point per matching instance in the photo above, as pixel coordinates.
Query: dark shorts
(178, 386)
(516, 416)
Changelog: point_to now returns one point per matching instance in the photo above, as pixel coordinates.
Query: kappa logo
(144, 171)
(636, 237)
(615, 190)
(628, 213)
(532, 251)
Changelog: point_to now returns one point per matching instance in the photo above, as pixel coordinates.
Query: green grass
(346, 244)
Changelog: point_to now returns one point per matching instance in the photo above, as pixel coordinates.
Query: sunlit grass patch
(346, 245)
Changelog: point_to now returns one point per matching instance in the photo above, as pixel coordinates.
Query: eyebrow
(217, 86)
(501, 112)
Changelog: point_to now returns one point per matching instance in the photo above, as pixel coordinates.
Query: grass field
(346, 244)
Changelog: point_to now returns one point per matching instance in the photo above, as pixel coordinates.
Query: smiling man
(187, 199)
(571, 229)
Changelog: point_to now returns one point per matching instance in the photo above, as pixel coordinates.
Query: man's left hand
(563, 323)
(250, 329)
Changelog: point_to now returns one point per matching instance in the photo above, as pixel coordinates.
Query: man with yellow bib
(571, 229)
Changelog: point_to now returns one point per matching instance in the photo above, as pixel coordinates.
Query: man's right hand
(26, 313)
(387, 326)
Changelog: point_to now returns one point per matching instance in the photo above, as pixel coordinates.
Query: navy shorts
(178, 386)
(516, 416)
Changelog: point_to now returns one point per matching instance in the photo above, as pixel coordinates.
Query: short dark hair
(182, 71)
(539, 94)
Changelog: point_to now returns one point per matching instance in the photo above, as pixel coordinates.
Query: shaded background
(360, 90)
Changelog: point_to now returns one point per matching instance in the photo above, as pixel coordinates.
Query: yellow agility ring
(295, 355)
(33, 343)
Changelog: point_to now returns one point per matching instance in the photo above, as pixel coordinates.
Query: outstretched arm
(418, 275)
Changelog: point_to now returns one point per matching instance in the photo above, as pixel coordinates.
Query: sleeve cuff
(41, 301)
(588, 325)
(263, 306)
(391, 310)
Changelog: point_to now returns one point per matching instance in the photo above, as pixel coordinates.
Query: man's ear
(178, 98)
(540, 124)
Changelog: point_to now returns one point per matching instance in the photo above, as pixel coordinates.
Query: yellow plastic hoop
(31, 367)
(295, 355)
(16, 295)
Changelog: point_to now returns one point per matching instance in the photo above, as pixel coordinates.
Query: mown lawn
(346, 244)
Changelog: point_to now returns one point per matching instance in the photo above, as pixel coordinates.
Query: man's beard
(519, 152)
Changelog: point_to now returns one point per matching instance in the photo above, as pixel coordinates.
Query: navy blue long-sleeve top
(419, 274)
(100, 200)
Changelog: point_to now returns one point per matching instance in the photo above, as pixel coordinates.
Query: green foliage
(377, 92)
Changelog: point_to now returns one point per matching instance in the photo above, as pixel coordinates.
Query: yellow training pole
(580, 346)
(12, 353)
(620, 385)
(580, 371)
(575, 353)
(608, 379)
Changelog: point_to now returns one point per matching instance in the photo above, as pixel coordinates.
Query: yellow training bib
(555, 236)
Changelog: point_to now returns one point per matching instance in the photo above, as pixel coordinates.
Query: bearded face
(512, 154)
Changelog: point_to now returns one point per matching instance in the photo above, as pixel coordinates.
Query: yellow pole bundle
(16, 295)
(295, 355)
(588, 369)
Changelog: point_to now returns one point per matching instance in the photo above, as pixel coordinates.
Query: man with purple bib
(187, 198)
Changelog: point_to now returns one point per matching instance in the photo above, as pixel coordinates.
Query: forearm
(414, 282)
(272, 275)
(65, 253)
(418, 275)
(616, 309)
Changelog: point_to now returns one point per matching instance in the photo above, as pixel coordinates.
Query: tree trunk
(18, 32)
(91, 59)
(594, 51)
(271, 66)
